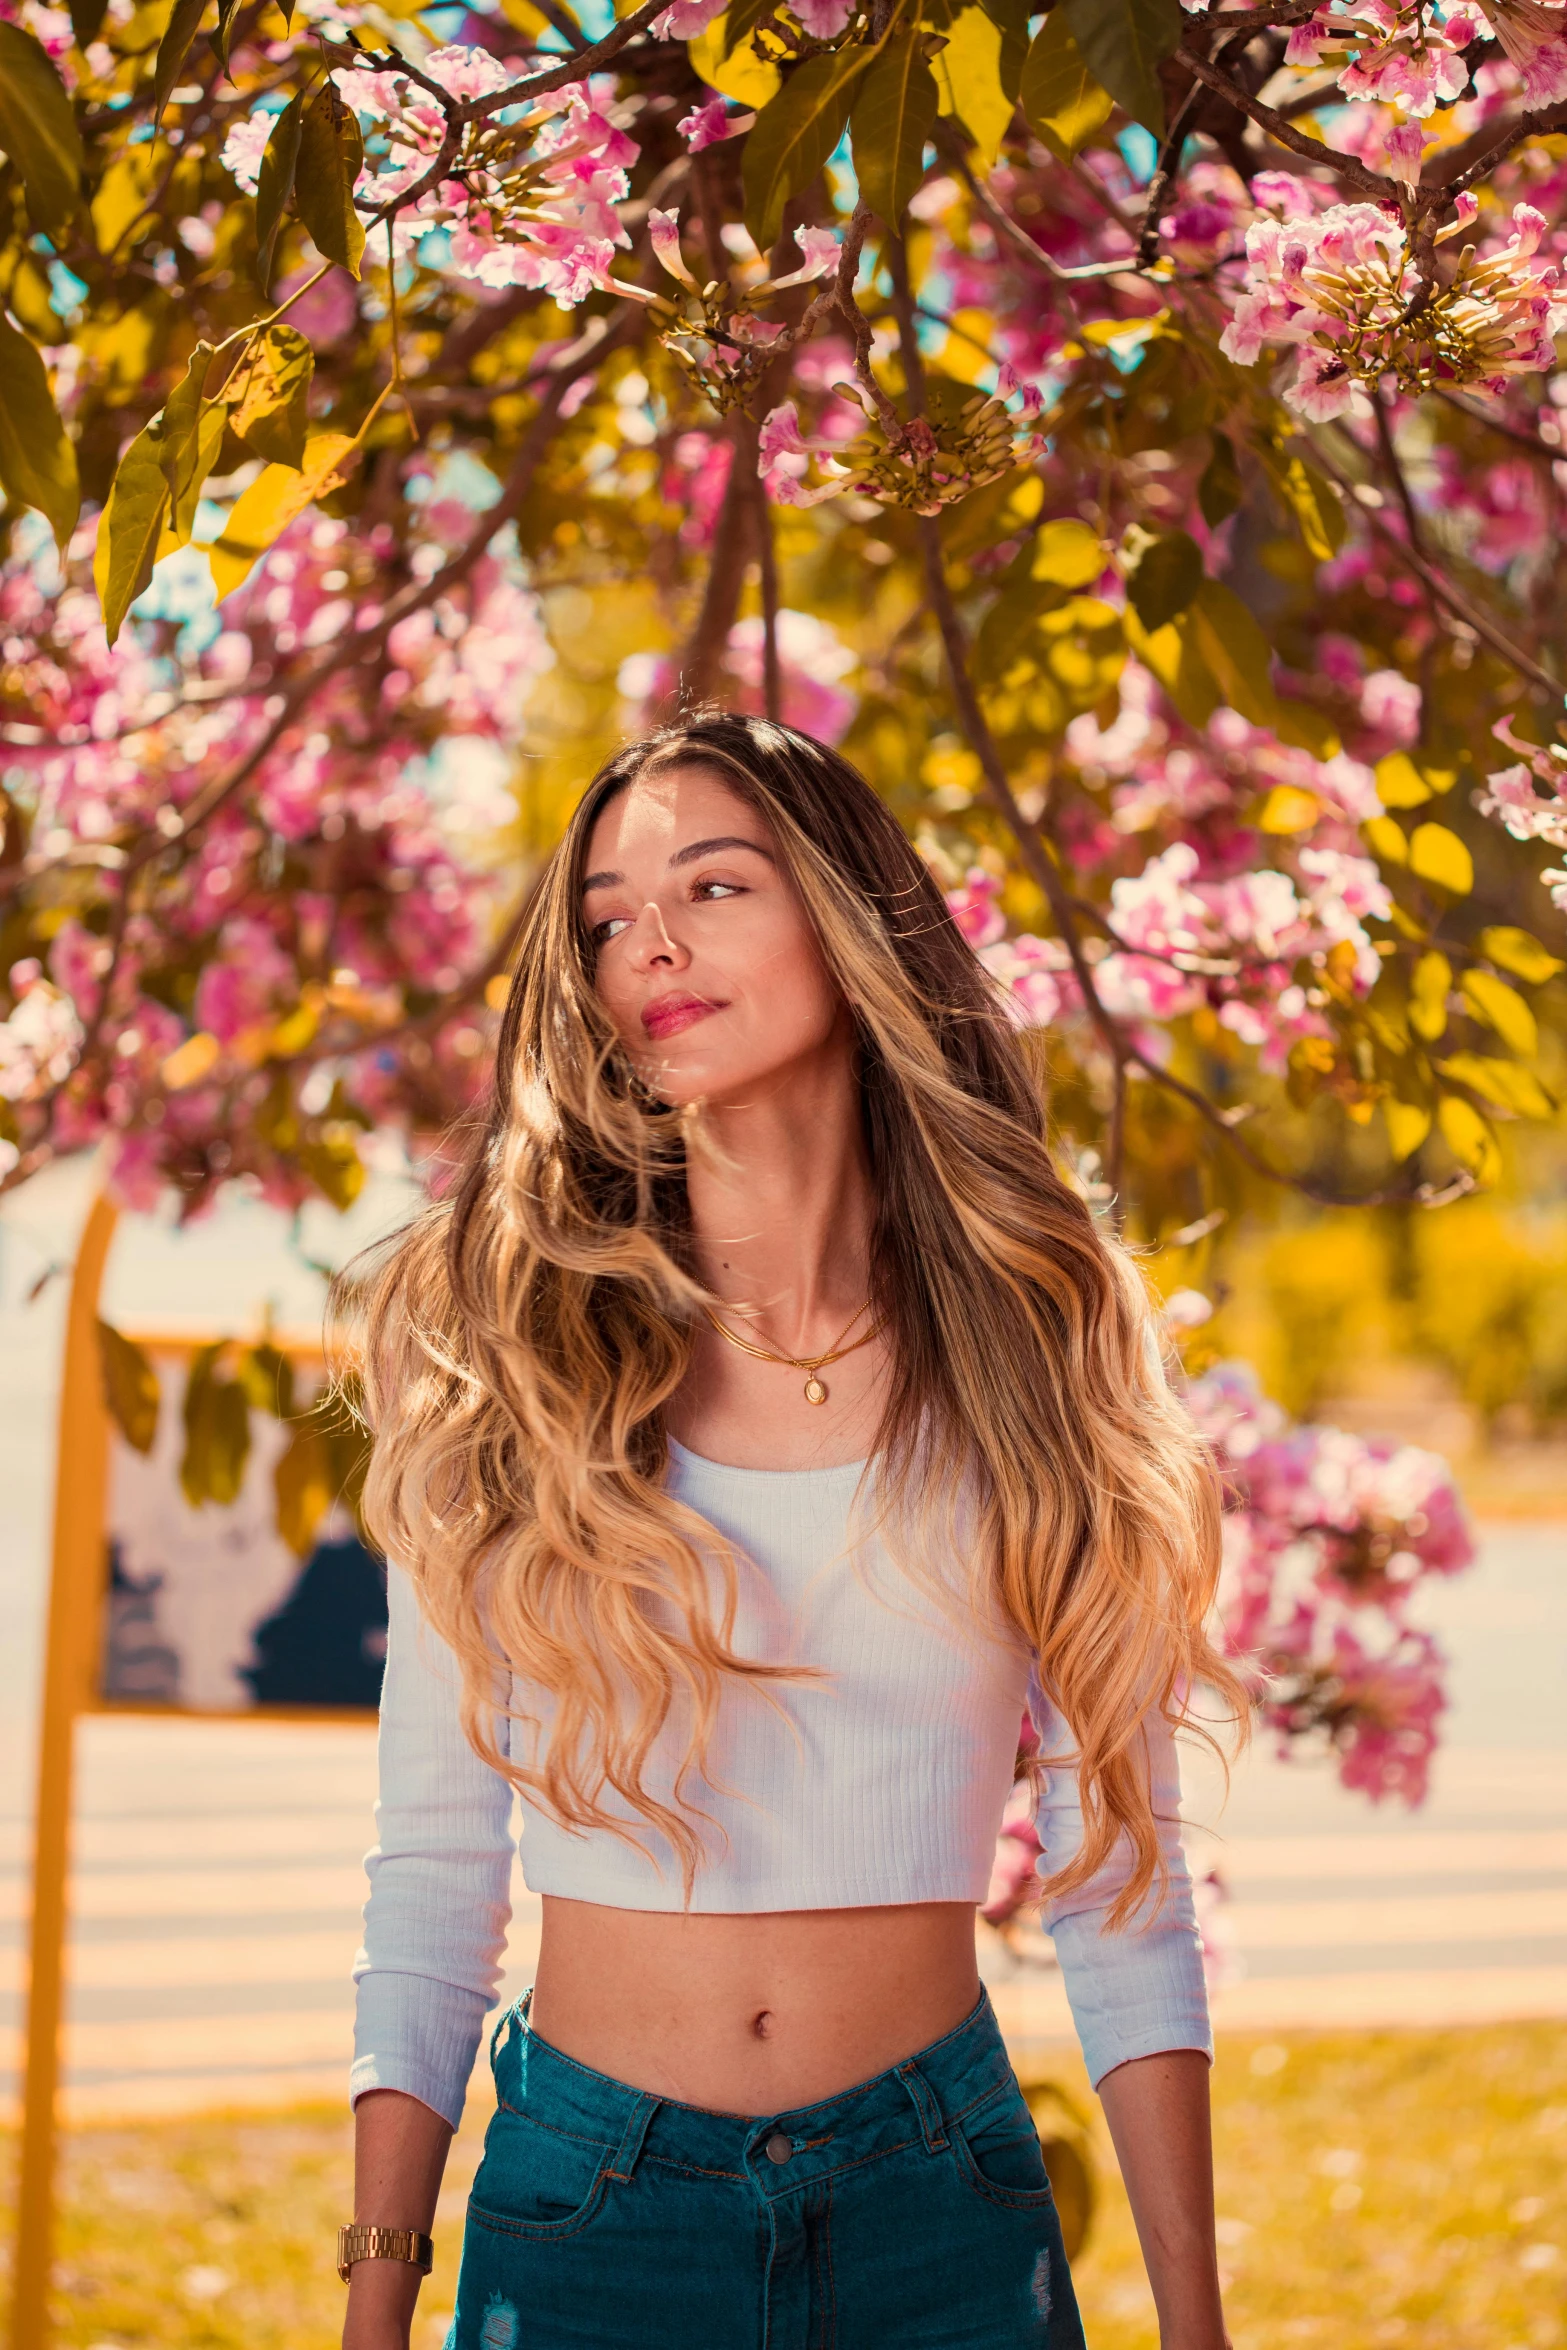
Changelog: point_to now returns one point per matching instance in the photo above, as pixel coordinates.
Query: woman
(760, 1421)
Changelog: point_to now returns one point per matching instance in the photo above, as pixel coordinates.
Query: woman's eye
(718, 889)
(611, 927)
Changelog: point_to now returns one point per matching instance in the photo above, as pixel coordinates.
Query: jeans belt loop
(631, 2137)
(923, 2099)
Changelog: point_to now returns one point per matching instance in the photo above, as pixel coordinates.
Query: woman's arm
(399, 2155)
(1157, 2109)
(435, 1927)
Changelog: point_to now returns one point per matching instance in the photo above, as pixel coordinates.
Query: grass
(1374, 2188)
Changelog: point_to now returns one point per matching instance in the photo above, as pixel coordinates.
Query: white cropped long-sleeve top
(881, 1781)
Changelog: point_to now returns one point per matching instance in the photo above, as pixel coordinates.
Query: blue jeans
(912, 2211)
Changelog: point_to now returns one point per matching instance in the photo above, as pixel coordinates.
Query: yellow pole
(75, 1612)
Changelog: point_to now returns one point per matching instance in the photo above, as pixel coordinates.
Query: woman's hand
(400, 2148)
(1157, 2109)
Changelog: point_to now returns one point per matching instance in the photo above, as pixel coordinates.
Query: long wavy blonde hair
(521, 1339)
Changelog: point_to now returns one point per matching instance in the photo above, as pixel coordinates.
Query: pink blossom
(824, 20)
(705, 125)
(468, 73)
(974, 909)
(244, 147)
(1534, 36)
(686, 19)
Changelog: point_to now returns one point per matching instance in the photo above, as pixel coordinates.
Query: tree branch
(1268, 118)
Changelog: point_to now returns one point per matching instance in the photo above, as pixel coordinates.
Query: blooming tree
(1133, 430)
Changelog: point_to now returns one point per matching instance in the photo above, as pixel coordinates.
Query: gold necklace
(815, 1389)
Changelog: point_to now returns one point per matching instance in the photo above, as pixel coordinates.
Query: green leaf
(1168, 576)
(189, 434)
(1236, 651)
(1501, 1082)
(217, 1432)
(792, 138)
(741, 19)
(1408, 1124)
(336, 1169)
(1219, 490)
(37, 461)
(1173, 655)
(1430, 985)
(1469, 1138)
(130, 528)
(1123, 45)
(130, 1387)
(331, 152)
(1068, 554)
(275, 184)
(38, 131)
(227, 11)
(1060, 97)
(183, 25)
(1501, 1007)
(1520, 954)
(1010, 15)
(894, 114)
(1439, 856)
(272, 406)
(266, 509)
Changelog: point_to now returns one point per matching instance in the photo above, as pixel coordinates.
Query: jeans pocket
(535, 2181)
(999, 2153)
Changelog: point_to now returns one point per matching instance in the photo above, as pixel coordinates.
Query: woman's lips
(671, 1013)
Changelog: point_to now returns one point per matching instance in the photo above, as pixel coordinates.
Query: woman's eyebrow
(686, 856)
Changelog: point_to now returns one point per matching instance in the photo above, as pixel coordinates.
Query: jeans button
(778, 2148)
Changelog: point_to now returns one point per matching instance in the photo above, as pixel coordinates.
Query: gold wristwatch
(357, 2243)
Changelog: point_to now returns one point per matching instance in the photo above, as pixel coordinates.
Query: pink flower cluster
(1327, 1537)
(1181, 940)
(1412, 55)
(320, 917)
(525, 202)
(1338, 287)
(1529, 800)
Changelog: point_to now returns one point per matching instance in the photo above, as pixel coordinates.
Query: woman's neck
(781, 1205)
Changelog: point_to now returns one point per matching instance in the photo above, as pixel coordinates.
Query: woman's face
(703, 955)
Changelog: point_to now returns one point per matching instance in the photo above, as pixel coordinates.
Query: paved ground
(217, 1884)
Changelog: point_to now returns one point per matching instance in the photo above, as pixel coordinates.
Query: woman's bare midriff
(751, 2014)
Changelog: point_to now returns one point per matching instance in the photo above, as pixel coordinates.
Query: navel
(762, 2024)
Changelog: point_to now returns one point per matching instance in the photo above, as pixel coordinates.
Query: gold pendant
(815, 1392)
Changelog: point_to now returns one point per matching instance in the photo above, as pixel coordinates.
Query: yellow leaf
(1440, 857)
(1172, 655)
(744, 75)
(1469, 1138)
(1385, 840)
(190, 1062)
(1060, 97)
(1068, 554)
(37, 460)
(1501, 1007)
(1520, 954)
(1400, 783)
(274, 499)
(966, 352)
(1429, 988)
(968, 76)
(1407, 1127)
(122, 193)
(1501, 1082)
(1288, 809)
(130, 1387)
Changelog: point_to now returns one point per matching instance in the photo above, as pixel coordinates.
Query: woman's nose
(651, 946)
